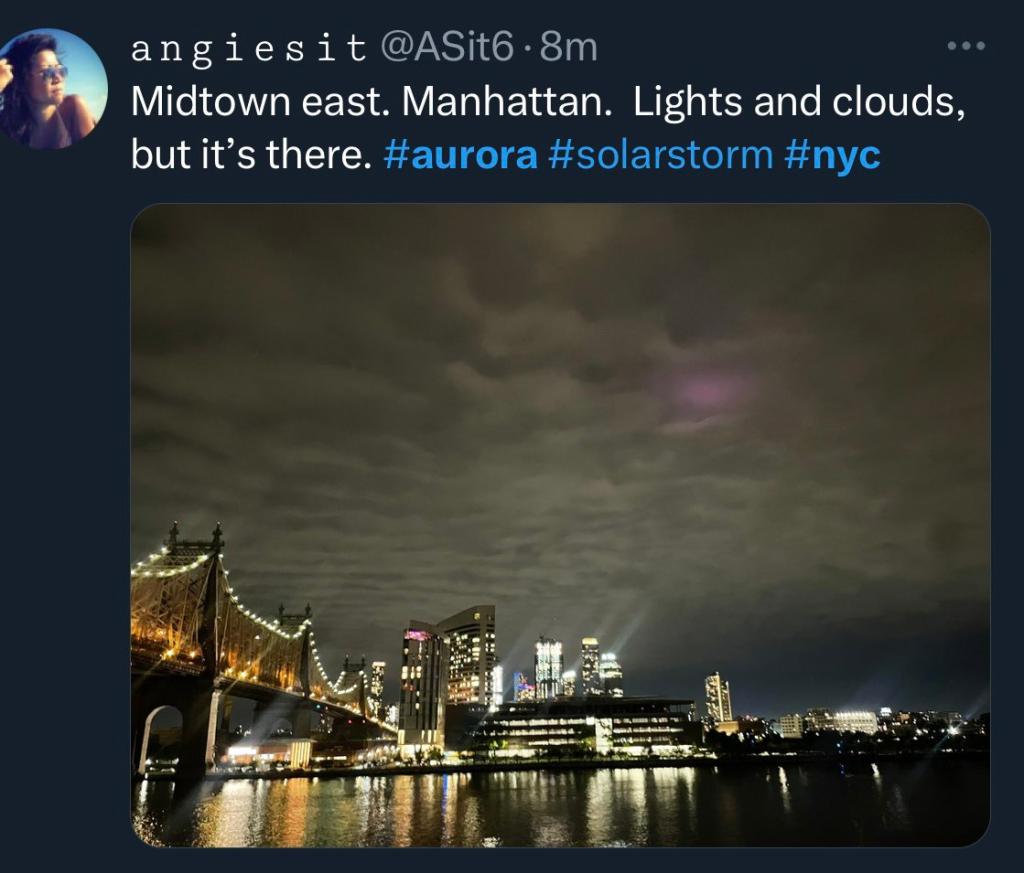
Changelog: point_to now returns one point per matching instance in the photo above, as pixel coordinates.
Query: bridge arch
(198, 703)
(165, 712)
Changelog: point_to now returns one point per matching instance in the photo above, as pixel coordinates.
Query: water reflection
(784, 791)
(888, 804)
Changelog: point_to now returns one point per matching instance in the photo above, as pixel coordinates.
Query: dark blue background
(65, 228)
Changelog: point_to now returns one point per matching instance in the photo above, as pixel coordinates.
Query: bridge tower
(195, 697)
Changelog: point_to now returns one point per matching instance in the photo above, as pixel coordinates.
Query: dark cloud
(744, 438)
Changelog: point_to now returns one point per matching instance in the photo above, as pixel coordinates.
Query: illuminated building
(523, 690)
(424, 685)
(498, 684)
(791, 726)
(717, 699)
(819, 719)
(747, 726)
(569, 683)
(629, 725)
(590, 671)
(473, 656)
(885, 719)
(611, 675)
(375, 701)
(265, 755)
(547, 663)
(858, 722)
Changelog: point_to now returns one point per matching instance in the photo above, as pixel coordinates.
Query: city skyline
(762, 431)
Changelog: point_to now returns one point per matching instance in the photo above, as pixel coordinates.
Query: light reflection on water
(888, 804)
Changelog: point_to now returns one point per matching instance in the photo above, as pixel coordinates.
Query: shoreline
(857, 761)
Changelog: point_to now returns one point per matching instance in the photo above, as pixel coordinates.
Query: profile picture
(53, 89)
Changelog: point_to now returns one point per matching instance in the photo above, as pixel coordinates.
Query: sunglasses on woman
(51, 73)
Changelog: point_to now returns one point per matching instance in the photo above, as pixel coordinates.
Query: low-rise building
(861, 722)
(631, 725)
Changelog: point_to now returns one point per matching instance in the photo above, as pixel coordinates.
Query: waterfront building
(264, 756)
(375, 699)
(857, 721)
(629, 725)
(611, 675)
(718, 699)
(460, 721)
(471, 639)
(590, 667)
(569, 683)
(791, 726)
(547, 663)
(424, 685)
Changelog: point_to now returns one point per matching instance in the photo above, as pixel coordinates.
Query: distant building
(375, 699)
(717, 698)
(590, 671)
(424, 685)
(471, 639)
(744, 727)
(858, 722)
(569, 683)
(611, 675)
(547, 662)
(498, 684)
(791, 726)
(629, 725)
(522, 689)
(819, 719)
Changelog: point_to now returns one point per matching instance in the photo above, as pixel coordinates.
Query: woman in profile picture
(35, 110)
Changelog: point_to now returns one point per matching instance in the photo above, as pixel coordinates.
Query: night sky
(739, 438)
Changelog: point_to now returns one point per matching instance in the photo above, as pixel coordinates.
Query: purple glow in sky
(710, 392)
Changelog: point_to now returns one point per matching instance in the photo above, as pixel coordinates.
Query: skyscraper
(424, 681)
(591, 667)
(473, 657)
(569, 683)
(717, 698)
(611, 675)
(375, 699)
(547, 664)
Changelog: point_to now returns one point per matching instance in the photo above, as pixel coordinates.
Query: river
(918, 803)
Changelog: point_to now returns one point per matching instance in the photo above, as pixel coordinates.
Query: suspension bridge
(195, 646)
